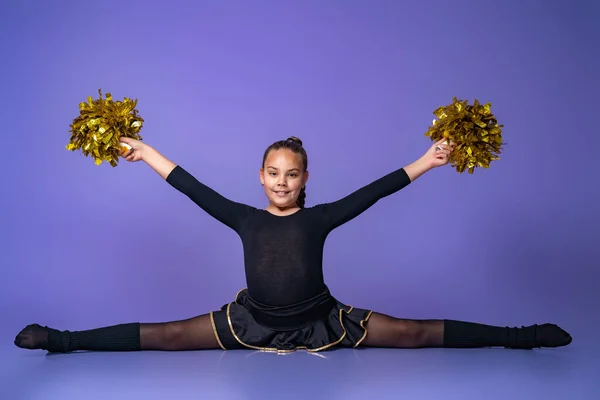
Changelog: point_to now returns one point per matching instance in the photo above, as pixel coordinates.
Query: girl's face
(283, 177)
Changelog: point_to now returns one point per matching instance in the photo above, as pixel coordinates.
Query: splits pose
(287, 305)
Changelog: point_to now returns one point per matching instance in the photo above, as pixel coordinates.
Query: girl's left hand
(439, 153)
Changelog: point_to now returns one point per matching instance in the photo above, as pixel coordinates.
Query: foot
(545, 335)
(33, 337)
(550, 335)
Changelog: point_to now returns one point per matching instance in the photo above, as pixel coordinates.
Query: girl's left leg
(387, 331)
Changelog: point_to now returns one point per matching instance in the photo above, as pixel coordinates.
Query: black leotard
(283, 255)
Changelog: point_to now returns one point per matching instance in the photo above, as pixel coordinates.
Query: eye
(273, 173)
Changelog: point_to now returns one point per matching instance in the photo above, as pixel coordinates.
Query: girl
(287, 305)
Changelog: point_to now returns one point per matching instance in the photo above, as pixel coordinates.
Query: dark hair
(294, 144)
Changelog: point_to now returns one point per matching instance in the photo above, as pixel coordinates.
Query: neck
(282, 211)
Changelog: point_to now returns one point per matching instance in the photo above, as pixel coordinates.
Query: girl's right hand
(135, 151)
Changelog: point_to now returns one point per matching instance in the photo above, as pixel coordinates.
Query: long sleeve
(349, 207)
(222, 209)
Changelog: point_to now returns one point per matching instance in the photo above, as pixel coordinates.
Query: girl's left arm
(349, 207)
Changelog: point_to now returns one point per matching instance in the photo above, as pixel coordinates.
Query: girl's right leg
(190, 334)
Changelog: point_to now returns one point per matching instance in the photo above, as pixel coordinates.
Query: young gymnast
(287, 305)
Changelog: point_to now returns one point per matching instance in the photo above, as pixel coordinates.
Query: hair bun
(295, 139)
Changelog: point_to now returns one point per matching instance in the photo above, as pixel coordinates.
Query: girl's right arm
(222, 209)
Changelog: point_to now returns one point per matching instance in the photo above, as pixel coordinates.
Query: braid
(302, 197)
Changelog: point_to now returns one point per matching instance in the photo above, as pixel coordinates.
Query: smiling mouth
(280, 193)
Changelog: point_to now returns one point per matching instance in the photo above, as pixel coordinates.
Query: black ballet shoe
(538, 336)
(33, 337)
(550, 335)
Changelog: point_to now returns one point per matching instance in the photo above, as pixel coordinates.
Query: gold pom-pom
(474, 130)
(100, 125)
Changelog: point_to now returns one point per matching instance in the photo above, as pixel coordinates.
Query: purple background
(217, 82)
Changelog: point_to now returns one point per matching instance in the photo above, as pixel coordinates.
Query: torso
(283, 255)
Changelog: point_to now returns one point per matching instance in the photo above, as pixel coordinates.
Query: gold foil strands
(100, 125)
(473, 128)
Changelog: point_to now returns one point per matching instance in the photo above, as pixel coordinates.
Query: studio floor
(568, 373)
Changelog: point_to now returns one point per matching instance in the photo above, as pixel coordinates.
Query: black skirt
(318, 324)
